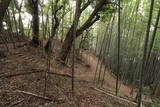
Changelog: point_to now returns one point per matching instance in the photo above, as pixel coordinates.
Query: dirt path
(87, 74)
(110, 80)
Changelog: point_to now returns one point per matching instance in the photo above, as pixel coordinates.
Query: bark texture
(35, 15)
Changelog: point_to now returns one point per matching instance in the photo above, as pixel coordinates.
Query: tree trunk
(89, 22)
(3, 7)
(55, 25)
(35, 40)
(145, 51)
(67, 44)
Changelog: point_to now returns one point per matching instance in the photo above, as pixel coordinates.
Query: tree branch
(86, 5)
(85, 27)
(92, 18)
(59, 8)
(114, 3)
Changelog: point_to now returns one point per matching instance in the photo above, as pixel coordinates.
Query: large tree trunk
(66, 47)
(71, 33)
(3, 7)
(67, 44)
(35, 40)
(90, 21)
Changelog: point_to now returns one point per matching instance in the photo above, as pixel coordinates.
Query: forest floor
(28, 89)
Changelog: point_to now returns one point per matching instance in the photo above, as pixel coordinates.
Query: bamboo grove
(122, 34)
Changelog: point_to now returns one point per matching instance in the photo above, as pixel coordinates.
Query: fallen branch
(32, 72)
(39, 96)
(116, 97)
(63, 75)
(16, 103)
(34, 95)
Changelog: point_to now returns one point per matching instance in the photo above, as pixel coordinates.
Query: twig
(38, 96)
(16, 103)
